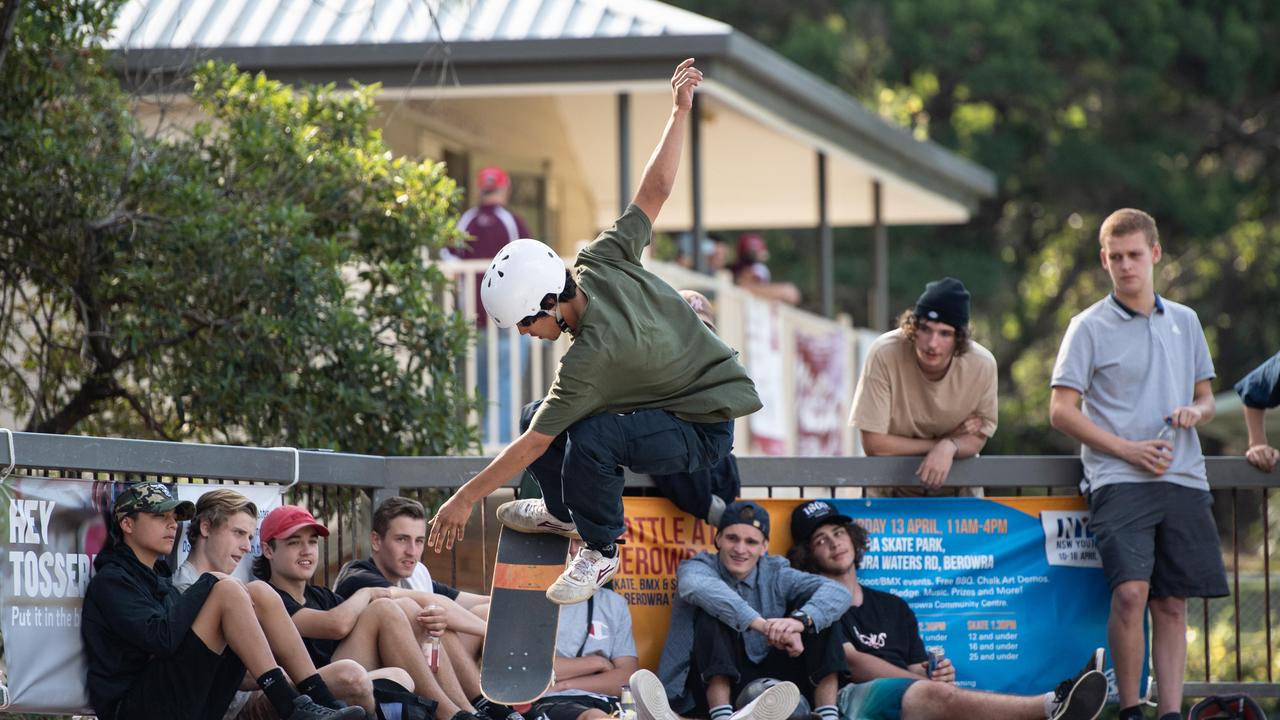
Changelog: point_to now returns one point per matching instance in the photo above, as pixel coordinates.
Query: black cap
(946, 301)
(812, 515)
(745, 512)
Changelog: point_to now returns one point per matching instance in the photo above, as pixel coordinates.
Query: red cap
(287, 520)
(491, 178)
(750, 243)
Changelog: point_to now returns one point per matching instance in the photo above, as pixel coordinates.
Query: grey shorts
(1159, 533)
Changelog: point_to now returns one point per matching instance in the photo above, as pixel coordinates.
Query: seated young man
(741, 614)
(376, 627)
(884, 652)
(398, 539)
(595, 655)
(220, 535)
(156, 653)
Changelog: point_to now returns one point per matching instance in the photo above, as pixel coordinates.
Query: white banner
(51, 531)
(764, 365)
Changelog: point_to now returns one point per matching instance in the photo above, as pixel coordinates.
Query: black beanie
(946, 301)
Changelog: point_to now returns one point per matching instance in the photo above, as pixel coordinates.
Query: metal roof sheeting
(157, 24)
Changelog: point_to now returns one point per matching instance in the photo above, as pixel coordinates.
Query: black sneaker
(1081, 697)
(496, 711)
(304, 708)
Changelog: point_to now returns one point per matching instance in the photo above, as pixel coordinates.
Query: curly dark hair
(801, 555)
(909, 322)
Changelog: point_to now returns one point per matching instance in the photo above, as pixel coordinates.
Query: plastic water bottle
(1167, 433)
(431, 648)
(626, 704)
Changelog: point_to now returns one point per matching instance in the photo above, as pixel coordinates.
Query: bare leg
(1124, 635)
(282, 634)
(349, 682)
(592, 714)
(927, 700)
(382, 638)
(825, 692)
(227, 619)
(458, 674)
(718, 690)
(395, 675)
(1169, 650)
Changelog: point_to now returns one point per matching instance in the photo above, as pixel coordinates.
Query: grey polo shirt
(1132, 371)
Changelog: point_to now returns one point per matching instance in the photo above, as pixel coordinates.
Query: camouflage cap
(151, 497)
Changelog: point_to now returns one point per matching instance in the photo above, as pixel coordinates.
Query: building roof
(572, 48)
(149, 24)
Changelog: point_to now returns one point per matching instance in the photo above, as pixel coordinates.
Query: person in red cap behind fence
(492, 225)
(751, 272)
(376, 627)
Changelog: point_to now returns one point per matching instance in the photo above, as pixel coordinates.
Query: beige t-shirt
(894, 397)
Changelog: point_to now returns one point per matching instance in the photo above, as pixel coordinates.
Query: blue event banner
(1012, 589)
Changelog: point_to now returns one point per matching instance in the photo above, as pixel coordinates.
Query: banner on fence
(992, 581)
(822, 392)
(52, 528)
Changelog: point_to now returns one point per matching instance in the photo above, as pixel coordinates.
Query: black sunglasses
(529, 321)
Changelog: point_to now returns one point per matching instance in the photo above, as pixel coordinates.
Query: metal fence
(1231, 647)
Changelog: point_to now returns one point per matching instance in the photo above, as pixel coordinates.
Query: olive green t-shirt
(639, 345)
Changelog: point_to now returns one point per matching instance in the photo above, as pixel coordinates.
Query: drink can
(935, 654)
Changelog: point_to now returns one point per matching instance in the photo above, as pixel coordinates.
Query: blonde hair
(217, 506)
(1127, 221)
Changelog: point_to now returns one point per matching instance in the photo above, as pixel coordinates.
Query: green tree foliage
(1080, 108)
(257, 276)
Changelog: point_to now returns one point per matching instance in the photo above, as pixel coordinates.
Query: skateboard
(520, 642)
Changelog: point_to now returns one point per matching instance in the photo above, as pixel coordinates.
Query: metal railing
(1232, 649)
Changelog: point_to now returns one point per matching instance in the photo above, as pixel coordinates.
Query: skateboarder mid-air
(644, 383)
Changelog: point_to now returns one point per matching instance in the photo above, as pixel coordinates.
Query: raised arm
(660, 172)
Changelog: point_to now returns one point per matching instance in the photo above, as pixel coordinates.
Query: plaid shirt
(773, 588)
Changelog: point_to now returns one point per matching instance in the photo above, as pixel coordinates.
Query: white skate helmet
(521, 275)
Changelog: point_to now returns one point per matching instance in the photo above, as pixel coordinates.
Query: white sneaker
(586, 573)
(777, 702)
(650, 697)
(531, 516)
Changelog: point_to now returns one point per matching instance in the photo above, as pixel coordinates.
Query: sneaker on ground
(1080, 698)
(777, 702)
(588, 571)
(304, 708)
(650, 697)
(531, 515)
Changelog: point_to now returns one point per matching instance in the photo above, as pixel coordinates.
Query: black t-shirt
(884, 626)
(364, 573)
(317, 597)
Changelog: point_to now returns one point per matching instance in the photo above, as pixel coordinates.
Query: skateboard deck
(520, 643)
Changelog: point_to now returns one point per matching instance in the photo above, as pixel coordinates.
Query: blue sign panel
(1011, 589)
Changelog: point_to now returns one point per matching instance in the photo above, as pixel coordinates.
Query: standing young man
(886, 655)
(156, 653)
(644, 384)
(1140, 364)
(928, 389)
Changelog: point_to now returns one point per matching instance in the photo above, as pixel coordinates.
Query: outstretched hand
(449, 523)
(683, 82)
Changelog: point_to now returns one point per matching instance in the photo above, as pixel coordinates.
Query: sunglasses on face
(529, 321)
